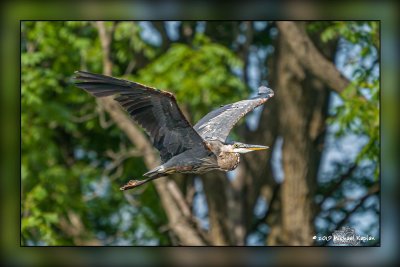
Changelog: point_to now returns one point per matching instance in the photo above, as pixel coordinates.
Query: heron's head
(238, 147)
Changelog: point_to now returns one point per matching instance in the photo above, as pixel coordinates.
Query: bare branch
(117, 159)
(83, 118)
(160, 26)
(102, 117)
(371, 191)
(190, 193)
(117, 174)
(216, 186)
(74, 227)
(130, 66)
(335, 186)
(179, 198)
(183, 205)
(271, 204)
(105, 38)
(246, 49)
(90, 114)
(310, 57)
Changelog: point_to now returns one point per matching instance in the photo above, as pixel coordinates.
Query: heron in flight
(183, 148)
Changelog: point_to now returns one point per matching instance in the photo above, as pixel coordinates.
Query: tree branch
(371, 191)
(74, 228)
(117, 159)
(310, 57)
(245, 50)
(271, 204)
(105, 38)
(179, 222)
(215, 185)
(335, 186)
(160, 26)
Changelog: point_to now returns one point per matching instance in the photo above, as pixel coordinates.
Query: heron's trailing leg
(135, 183)
(153, 174)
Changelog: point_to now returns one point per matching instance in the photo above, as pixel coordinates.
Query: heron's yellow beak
(245, 148)
(256, 147)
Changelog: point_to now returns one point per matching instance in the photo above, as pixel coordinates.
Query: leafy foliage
(67, 197)
(359, 111)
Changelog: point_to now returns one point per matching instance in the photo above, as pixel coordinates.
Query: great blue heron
(183, 148)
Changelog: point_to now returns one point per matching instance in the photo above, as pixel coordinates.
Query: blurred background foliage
(74, 158)
(355, 114)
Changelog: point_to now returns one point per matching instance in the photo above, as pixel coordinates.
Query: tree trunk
(216, 188)
(302, 100)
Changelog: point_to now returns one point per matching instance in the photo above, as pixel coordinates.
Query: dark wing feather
(218, 123)
(155, 110)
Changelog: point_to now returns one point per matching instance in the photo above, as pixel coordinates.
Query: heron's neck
(228, 161)
(216, 146)
(226, 149)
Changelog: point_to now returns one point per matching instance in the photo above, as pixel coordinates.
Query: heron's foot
(135, 183)
(131, 184)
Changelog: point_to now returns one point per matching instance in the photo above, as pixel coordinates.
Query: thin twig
(264, 219)
(372, 191)
(84, 118)
(336, 186)
(310, 57)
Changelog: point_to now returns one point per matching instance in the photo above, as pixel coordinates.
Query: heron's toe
(129, 185)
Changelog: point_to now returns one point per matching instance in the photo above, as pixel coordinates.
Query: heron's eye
(235, 145)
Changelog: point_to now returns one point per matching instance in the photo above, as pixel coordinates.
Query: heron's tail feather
(154, 172)
(159, 171)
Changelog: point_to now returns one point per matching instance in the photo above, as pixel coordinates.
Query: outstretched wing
(155, 110)
(218, 123)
